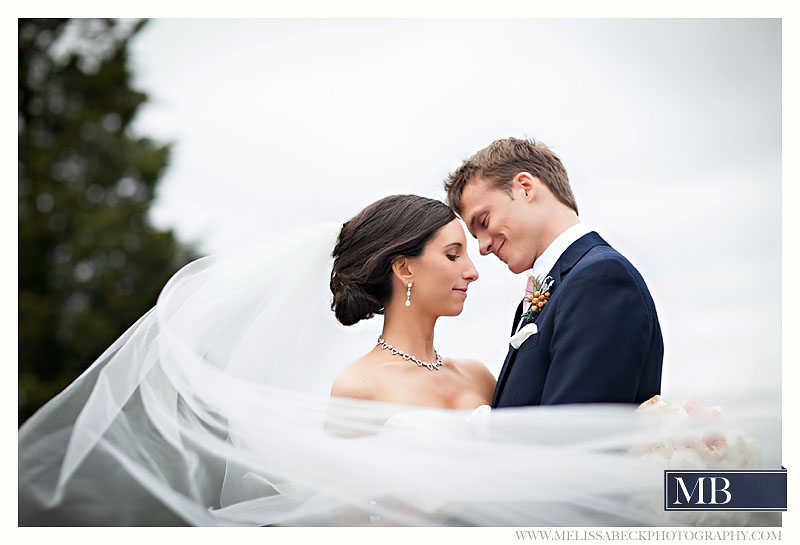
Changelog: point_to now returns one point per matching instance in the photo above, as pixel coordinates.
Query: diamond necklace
(397, 352)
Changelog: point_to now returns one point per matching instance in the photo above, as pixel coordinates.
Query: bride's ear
(402, 270)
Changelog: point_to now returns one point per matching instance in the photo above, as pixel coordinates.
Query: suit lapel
(501, 380)
(573, 254)
(509, 356)
(517, 318)
(565, 263)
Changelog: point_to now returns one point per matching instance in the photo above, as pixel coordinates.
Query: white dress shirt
(546, 261)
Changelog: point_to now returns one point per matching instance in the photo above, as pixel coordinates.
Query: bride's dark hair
(393, 227)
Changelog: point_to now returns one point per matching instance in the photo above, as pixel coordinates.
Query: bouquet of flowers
(688, 435)
(697, 437)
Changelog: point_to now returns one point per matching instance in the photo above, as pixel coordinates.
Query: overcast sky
(670, 131)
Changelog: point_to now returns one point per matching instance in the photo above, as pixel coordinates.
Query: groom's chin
(517, 267)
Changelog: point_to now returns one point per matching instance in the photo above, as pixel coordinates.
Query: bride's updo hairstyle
(393, 227)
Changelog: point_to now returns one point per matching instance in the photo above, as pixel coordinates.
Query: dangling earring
(408, 295)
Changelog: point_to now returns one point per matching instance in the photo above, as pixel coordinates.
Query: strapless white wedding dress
(432, 420)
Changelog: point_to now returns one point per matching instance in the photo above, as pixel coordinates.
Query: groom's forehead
(472, 199)
(475, 199)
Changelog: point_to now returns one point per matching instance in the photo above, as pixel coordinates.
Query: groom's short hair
(503, 159)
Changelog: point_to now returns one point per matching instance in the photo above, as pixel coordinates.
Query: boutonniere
(537, 297)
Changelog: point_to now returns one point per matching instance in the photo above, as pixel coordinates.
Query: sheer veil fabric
(214, 409)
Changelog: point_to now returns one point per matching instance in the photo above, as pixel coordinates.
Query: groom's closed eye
(483, 224)
(471, 225)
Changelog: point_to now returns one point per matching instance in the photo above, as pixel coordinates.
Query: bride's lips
(462, 291)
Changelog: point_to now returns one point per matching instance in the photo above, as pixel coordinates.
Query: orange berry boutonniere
(536, 297)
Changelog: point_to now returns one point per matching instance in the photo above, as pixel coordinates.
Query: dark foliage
(90, 263)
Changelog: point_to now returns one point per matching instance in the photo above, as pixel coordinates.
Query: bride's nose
(471, 273)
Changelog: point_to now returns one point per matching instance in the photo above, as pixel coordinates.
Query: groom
(593, 334)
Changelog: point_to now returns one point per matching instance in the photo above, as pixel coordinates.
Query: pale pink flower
(716, 446)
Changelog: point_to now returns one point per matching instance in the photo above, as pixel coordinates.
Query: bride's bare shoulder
(355, 380)
(466, 364)
(474, 369)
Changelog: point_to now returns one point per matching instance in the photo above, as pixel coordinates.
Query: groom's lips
(497, 252)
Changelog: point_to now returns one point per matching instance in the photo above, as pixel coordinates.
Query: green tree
(90, 263)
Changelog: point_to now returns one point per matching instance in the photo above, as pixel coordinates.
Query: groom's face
(502, 221)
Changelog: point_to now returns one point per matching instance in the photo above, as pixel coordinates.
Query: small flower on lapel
(537, 297)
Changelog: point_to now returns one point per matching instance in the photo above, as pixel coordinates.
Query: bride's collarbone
(395, 380)
(399, 368)
(448, 381)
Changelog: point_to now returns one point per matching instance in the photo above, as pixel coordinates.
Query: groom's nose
(485, 245)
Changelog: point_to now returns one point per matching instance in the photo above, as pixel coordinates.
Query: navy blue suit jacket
(598, 337)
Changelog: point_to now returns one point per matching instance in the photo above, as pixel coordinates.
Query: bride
(232, 402)
(396, 245)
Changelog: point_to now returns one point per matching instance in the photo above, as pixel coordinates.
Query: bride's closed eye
(453, 257)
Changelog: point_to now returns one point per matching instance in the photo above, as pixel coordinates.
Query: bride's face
(443, 272)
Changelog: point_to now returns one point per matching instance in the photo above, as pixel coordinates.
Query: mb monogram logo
(713, 490)
(729, 490)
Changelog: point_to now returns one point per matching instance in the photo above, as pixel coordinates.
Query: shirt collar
(546, 261)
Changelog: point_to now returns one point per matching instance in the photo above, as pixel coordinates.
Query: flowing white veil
(214, 409)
